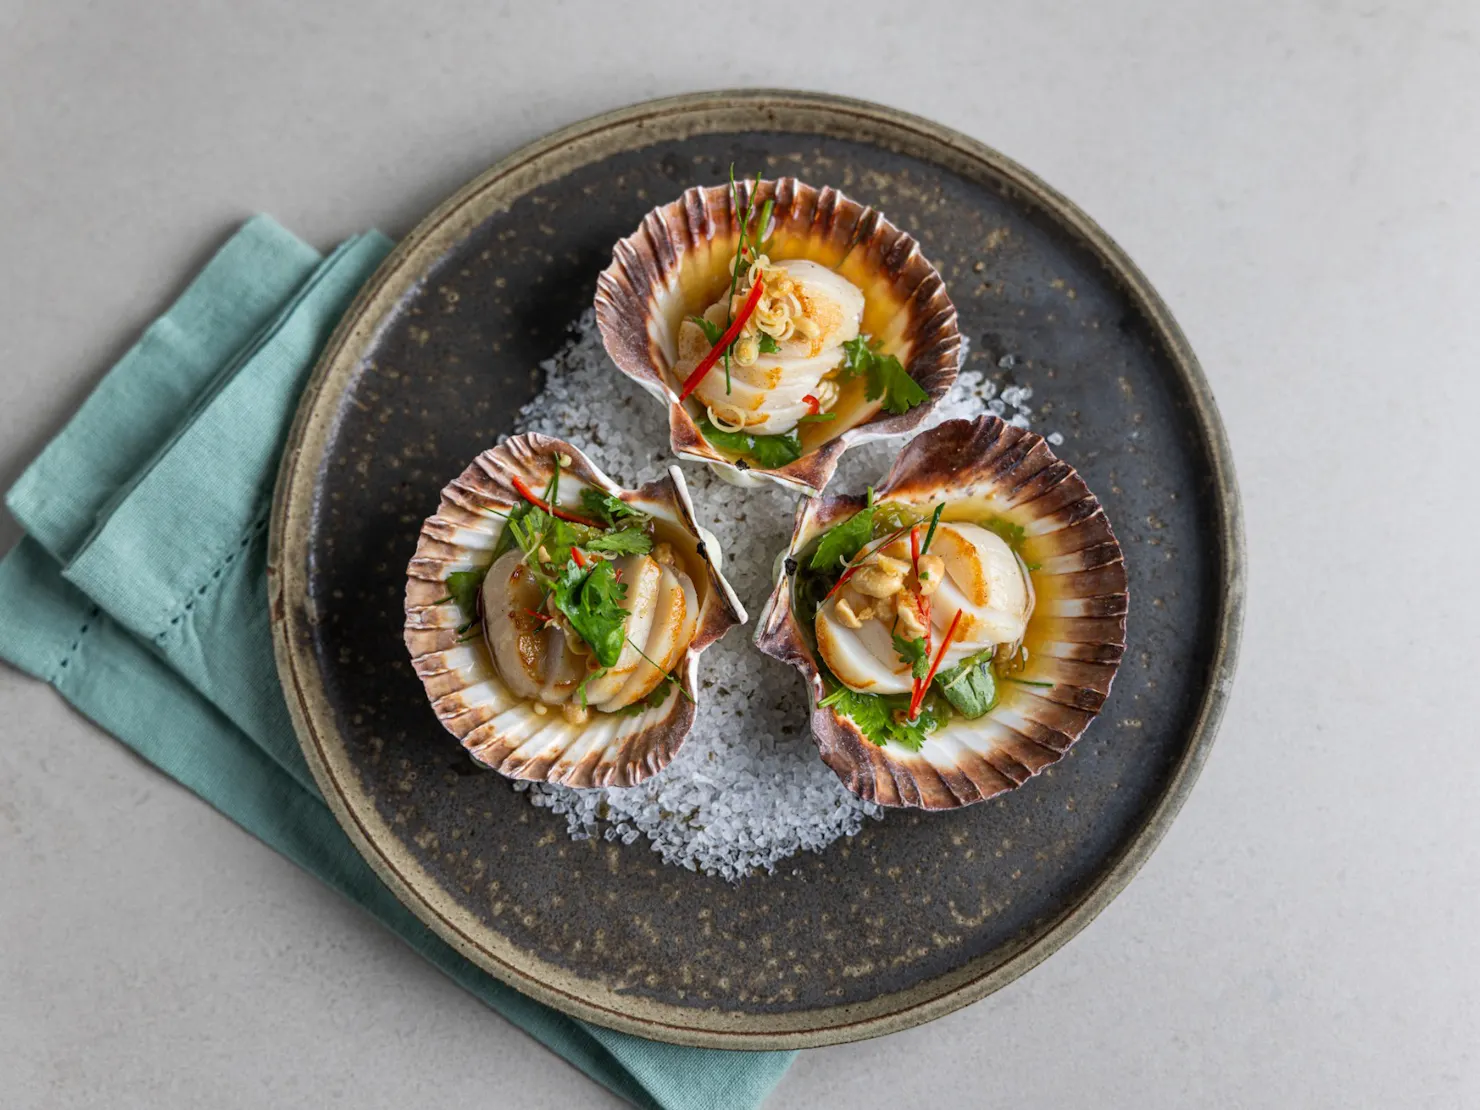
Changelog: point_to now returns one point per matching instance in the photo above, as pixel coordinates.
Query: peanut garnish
(932, 572)
(878, 579)
(846, 616)
(911, 627)
(575, 714)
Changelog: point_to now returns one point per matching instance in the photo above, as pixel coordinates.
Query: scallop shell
(497, 728)
(680, 256)
(1076, 634)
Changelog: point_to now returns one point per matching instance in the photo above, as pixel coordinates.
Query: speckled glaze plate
(918, 914)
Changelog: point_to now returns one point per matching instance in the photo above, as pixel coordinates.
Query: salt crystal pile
(747, 789)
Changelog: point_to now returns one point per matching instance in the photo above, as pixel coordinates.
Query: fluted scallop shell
(680, 256)
(497, 728)
(1076, 636)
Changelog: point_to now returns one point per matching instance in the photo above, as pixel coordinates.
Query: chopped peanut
(663, 553)
(575, 714)
(539, 709)
(886, 607)
(873, 579)
(911, 627)
(890, 565)
(932, 572)
(846, 616)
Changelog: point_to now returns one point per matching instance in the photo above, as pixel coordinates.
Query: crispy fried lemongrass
(786, 324)
(780, 330)
(727, 418)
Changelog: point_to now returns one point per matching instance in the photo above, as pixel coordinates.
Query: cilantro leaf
(970, 685)
(856, 357)
(628, 541)
(769, 346)
(463, 587)
(609, 509)
(912, 653)
(900, 391)
(773, 452)
(875, 715)
(867, 711)
(560, 536)
(887, 377)
(533, 530)
(1007, 530)
(843, 541)
(712, 332)
(769, 452)
(590, 598)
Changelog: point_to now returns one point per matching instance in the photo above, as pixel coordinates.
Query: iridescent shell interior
(678, 262)
(1075, 636)
(452, 658)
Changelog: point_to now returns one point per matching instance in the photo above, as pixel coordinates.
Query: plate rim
(293, 507)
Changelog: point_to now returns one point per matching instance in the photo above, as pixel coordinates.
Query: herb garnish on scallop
(780, 323)
(556, 620)
(960, 626)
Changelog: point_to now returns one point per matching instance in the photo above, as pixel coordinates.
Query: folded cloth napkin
(139, 593)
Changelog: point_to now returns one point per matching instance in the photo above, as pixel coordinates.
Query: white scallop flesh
(769, 392)
(534, 660)
(675, 617)
(662, 614)
(984, 581)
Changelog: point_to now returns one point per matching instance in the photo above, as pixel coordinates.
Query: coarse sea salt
(747, 788)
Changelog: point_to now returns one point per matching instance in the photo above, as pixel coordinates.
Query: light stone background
(1300, 180)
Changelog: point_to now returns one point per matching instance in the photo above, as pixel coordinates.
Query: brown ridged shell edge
(1076, 544)
(458, 673)
(644, 270)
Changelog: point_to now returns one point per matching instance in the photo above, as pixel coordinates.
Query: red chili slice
(922, 606)
(575, 553)
(814, 406)
(539, 502)
(732, 333)
(919, 694)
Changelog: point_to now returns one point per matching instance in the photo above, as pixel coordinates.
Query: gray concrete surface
(1300, 181)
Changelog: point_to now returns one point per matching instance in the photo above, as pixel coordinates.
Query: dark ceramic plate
(918, 914)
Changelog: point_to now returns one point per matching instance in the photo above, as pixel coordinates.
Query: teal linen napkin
(139, 594)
